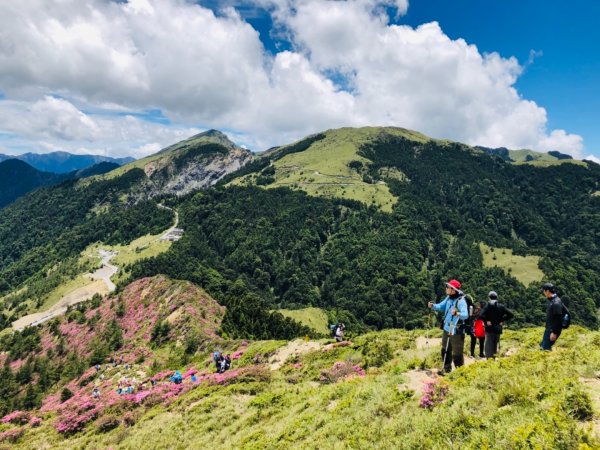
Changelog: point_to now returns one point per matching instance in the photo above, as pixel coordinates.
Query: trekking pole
(428, 328)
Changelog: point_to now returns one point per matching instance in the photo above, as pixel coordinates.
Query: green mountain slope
(379, 391)
(377, 268)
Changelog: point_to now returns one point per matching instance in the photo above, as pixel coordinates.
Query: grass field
(322, 170)
(523, 268)
(314, 318)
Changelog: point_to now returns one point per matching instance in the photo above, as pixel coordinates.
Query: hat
(454, 284)
(548, 287)
(493, 295)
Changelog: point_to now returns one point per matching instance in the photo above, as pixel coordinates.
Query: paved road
(101, 284)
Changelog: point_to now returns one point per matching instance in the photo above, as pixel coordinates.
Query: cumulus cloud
(347, 66)
(53, 124)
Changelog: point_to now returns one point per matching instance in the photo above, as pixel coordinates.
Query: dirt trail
(101, 284)
(297, 347)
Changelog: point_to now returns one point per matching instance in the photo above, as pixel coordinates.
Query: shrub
(65, 395)
(341, 370)
(376, 352)
(12, 435)
(578, 404)
(107, 423)
(18, 417)
(434, 393)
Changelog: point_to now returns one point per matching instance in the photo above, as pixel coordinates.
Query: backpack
(566, 318)
(479, 328)
(332, 329)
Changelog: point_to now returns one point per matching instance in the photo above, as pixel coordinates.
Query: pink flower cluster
(20, 417)
(12, 435)
(191, 371)
(237, 355)
(74, 420)
(35, 421)
(434, 393)
(341, 370)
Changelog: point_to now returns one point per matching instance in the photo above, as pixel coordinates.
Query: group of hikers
(484, 323)
(222, 362)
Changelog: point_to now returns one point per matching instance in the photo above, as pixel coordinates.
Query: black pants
(452, 350)
(491, 344)
(473, 342)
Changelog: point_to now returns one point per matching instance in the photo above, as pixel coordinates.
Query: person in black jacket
(554, 312)
(494, 314)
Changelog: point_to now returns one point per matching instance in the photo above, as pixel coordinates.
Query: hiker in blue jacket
(454, 308)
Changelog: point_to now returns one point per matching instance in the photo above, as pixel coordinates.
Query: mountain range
(366, 224)
(18, 178)
(63, 162)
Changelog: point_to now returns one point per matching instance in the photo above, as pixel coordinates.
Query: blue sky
(131, 77)
(564, 76)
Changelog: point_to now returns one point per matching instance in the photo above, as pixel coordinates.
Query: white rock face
(196, 174)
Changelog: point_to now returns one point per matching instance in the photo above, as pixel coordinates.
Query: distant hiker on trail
(493, 315)
(477, 330)
(339, 332)
(554, 314)
(454, 308)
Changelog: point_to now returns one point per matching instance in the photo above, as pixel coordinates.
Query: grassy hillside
(314, 318)
(378, 392)
(539, 159)
(323, 169)
(526, 269)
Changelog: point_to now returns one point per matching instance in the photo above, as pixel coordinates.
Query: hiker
(225, 363)
(477, 330)
(217, 358)
(554, 313)
(493, 315)
(339, 332)
(176, 377)
(96, 393)
(454, 308)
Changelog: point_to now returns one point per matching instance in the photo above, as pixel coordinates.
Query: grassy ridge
(322, 169)
(525, 399)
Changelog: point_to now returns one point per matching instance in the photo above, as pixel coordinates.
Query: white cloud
(348, 67)
(54, 124)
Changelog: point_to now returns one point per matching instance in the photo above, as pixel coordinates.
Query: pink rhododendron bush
(17, 417)
(341, 370)
(434, 392)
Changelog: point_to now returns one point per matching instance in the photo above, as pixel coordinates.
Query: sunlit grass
(524, 399)
(523, 268)
(314, 318)
(322, 169)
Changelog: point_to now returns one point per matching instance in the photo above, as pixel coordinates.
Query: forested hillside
(380, 269)
(42, 234)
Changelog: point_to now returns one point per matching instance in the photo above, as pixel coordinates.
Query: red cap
(454, 284)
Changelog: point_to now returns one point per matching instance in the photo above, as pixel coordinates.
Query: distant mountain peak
(206, 137)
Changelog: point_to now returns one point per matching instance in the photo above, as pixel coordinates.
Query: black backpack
(566, 317)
